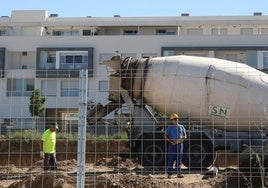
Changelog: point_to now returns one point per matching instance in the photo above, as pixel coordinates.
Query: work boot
(180, 176)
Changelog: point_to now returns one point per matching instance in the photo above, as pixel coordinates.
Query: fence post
(82, 113)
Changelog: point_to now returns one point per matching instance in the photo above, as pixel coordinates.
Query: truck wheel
(198, 154)
(152, 153)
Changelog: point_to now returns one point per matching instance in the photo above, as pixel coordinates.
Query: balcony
(63, 62)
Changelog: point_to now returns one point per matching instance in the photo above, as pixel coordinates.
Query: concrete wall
(16, 60)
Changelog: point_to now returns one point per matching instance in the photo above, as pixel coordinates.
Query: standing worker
(47, 147)
(175, 135)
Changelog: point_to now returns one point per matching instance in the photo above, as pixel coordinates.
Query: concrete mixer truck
(222, 104)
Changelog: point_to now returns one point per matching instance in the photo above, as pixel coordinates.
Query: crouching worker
(175, 135)
(47, 147)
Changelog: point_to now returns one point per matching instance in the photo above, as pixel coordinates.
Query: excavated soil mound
(66, 165)
(132, 180)
(231, 178)
(118, 163)
(9, 169)
(43, 180)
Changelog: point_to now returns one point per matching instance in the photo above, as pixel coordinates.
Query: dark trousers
(174, 154)
(50, 161)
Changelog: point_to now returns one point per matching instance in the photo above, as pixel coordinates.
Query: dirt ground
(104, 168)
(112, 172)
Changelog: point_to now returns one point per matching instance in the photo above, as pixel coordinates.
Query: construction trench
(110, 168)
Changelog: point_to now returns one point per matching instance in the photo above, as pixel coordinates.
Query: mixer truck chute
(221, 103)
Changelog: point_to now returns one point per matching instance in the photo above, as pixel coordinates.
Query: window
(221, 31)
(78, 59)
(57, 33)
(73, 61)
(165, 32)
(3, 32)
(195, 31)
(53, 62)
(49, 87)
(51, 59)
(71, 33)
(232, 57)
(112, 31)
(20, 87)
(130, 32)
(86, 32)
(265, 60)
(103, 85)
(65, 32)
(264, 31)
(69, 59)
(105, 57)
(24, 53)
(246, 31)
(69, 88)
(168, 53)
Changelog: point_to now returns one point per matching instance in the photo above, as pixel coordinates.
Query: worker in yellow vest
(47, 147)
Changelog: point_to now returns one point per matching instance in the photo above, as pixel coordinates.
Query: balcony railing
(20, 73)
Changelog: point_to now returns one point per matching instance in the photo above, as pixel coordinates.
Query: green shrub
(120, 136)
(101, 138)
(29, 135)
(91, 137)
(65, 137)
(26, 135)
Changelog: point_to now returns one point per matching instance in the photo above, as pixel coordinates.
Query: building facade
(44, 51)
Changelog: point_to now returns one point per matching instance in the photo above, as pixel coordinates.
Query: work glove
(41, 154)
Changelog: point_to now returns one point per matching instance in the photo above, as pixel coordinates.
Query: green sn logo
(219, 111)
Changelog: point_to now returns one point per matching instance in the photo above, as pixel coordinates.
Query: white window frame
(260, 59)
(66, 53)
(69, 88)
(24, 87)
(46, 87)
(265, 55)
(219, 31)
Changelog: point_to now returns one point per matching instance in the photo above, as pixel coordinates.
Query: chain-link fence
(130, 139)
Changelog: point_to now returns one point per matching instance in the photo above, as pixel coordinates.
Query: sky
(108, 8)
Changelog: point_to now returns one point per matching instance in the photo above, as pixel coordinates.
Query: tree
(36, 107)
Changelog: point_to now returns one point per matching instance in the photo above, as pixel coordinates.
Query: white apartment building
(44, 51)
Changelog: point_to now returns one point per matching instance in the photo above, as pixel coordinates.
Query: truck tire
(198, 154)
(151, 153)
